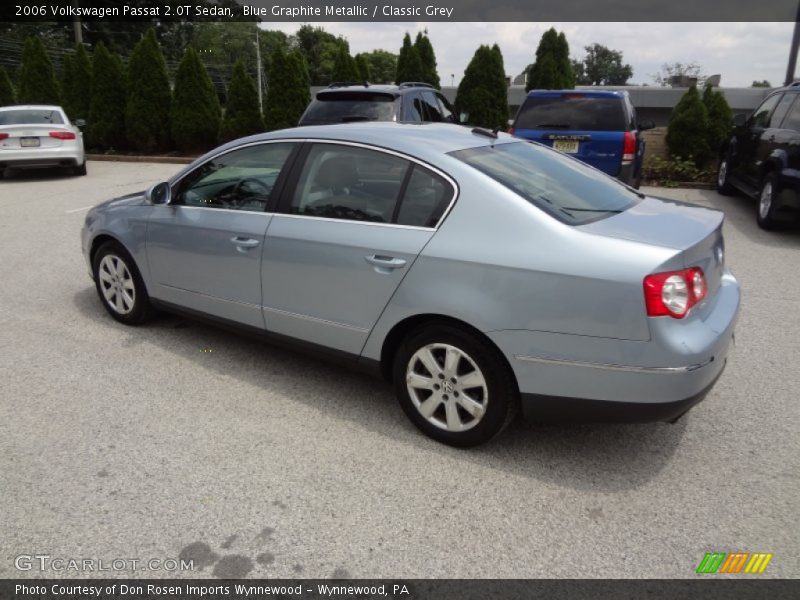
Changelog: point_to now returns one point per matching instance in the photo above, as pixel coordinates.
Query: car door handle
(243, 242)
(385, 262)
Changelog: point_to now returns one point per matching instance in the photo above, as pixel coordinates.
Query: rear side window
(30, 117)
(425, 200)
(762, 114)
(781, 110)
(345, 107)
(792, 120)
(572, 111)
(561, 186)
(432, 109)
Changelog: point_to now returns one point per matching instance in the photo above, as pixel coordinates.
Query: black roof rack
(409, 84)
(338, 84)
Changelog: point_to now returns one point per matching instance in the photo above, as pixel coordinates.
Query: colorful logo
(735, 562)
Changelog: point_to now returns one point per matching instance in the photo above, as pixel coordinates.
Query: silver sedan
(476, 272)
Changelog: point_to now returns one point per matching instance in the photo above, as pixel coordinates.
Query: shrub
(147, 110)
(362, 66)
(196, 115)
(427, 59)
(671, 172)
(482, 93)
(37, 80)
(687, 132)
(242, 113)
(552, 69)
(344, 67)
(287, 94)
(7, 93)
(106, 126)
(76, 83)
(409, 64)
(720, 118)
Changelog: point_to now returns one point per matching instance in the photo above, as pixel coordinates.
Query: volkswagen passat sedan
(34, 136)
(473, 270)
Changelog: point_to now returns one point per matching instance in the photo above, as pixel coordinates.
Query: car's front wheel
(120, 285)
(453, 386)
(767, 205)
(724, 186)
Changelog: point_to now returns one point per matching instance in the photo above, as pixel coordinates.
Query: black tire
(724, 186)
(140, 309)
(79, 169)
(767, 209)
(498, 396)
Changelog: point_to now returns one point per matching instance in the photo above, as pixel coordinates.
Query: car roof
(585, 93)
(402, 88)
(31, 107)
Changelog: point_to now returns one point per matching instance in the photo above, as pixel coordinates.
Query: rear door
(748, 139)
(352, 222)
(588, 126)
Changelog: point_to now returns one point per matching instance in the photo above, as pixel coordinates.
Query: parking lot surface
(176, 439)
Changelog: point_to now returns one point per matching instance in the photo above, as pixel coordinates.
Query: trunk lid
(30, 136)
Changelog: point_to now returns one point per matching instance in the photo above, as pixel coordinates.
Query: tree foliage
(147, 110)
(106, 126)
(287, 91)
(687, 132)
(552, 69)
(319, 48)
(720, 118)
(761, 84)
(196, 115)
(37, 80)
(344, 67)
(409, 64)
(242, 113)
(76, 83)
(382, 65)
(602, 66)
(670, 71)
(427, 59)
(482, 93)
(362, 66)
(7, 93)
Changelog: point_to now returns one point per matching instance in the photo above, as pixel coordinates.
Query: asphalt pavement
(176, 440)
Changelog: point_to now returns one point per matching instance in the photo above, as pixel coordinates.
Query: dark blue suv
(597, 127)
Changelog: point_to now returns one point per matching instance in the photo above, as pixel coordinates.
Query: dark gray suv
(408, 102)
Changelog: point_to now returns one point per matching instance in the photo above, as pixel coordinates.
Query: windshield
(562, 186)
(571, 111)
(30, 117)
(344, 107)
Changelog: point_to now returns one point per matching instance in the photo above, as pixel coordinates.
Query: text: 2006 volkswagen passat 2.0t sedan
(473, 270)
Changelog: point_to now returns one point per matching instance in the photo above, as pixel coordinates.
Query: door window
(239, 180)
(432, 107)
(425, 199)
(348, 182)
(781, 110)
(448, 114)
(415, 111)
(792, 120)
(762, 114)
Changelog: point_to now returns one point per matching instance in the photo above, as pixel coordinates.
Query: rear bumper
(44, 157)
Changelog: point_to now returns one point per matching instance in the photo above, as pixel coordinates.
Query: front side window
(561, 186)
(239, 180)
(792, 120)
(432, 107)
(762, 114)
(446, 109)
(781, 109)
(348, 182)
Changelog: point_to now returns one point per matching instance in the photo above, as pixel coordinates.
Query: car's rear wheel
(455, 387)
(724, 186)
(79, 169)
(120, 285)
(767, 205)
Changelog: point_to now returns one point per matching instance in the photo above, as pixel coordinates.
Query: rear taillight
(628, 147)
(62, 135)
(511, 130)
(674, 293)
(3, 136)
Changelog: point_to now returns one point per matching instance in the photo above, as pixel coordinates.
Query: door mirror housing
(645, 125)
(160, 193)
(740, 120)
(80, 123)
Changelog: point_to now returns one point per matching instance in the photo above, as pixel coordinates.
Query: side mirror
(645, 125)
(80, 123)
(740, 120)
(160, 193)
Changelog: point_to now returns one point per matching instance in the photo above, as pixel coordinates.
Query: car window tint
(425, 199)
(445, 108)
(780, 110)
(347, 182)
(761, 115)
(346, 107)
(571, 111)
(238, 180)
(31, 117)
(792, 120)
(432, 107)
(562, 186)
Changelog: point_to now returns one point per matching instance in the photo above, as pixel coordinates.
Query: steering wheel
(249, 181)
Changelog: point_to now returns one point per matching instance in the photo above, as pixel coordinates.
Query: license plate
(568, 147)
(29, 142)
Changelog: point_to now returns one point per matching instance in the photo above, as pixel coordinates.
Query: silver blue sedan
(476, 272)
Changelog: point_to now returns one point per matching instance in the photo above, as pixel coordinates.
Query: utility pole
(76, 25)
(258, 68)
(793, 52)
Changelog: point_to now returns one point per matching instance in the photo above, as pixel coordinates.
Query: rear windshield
(30, 117)
(571, 111)
(561, 186)
(345, 107)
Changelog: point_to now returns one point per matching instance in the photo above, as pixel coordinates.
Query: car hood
(133, 199)
(661, 222)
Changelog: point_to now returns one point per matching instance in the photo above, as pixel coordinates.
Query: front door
(204, 249)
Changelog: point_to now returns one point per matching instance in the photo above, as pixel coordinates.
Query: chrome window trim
(442, 174)
(233, 210)
(615, 367)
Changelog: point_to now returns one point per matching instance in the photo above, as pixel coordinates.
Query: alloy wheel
(116, 284)
(765, 201)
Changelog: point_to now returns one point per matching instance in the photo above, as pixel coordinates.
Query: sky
(741, 52)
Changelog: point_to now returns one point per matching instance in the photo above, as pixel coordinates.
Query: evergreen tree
(563, 63)
(481, 94)
(720, 118)
(552, 69)
(242, 113)
(147, 110)
(106, 126)
(287, 92)
(427, 59)
(37, 80)
(196, 115)
(687, 131)
(364, 73)
(409, 65)
(344, 68)
(8, 95)
(76, 83)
